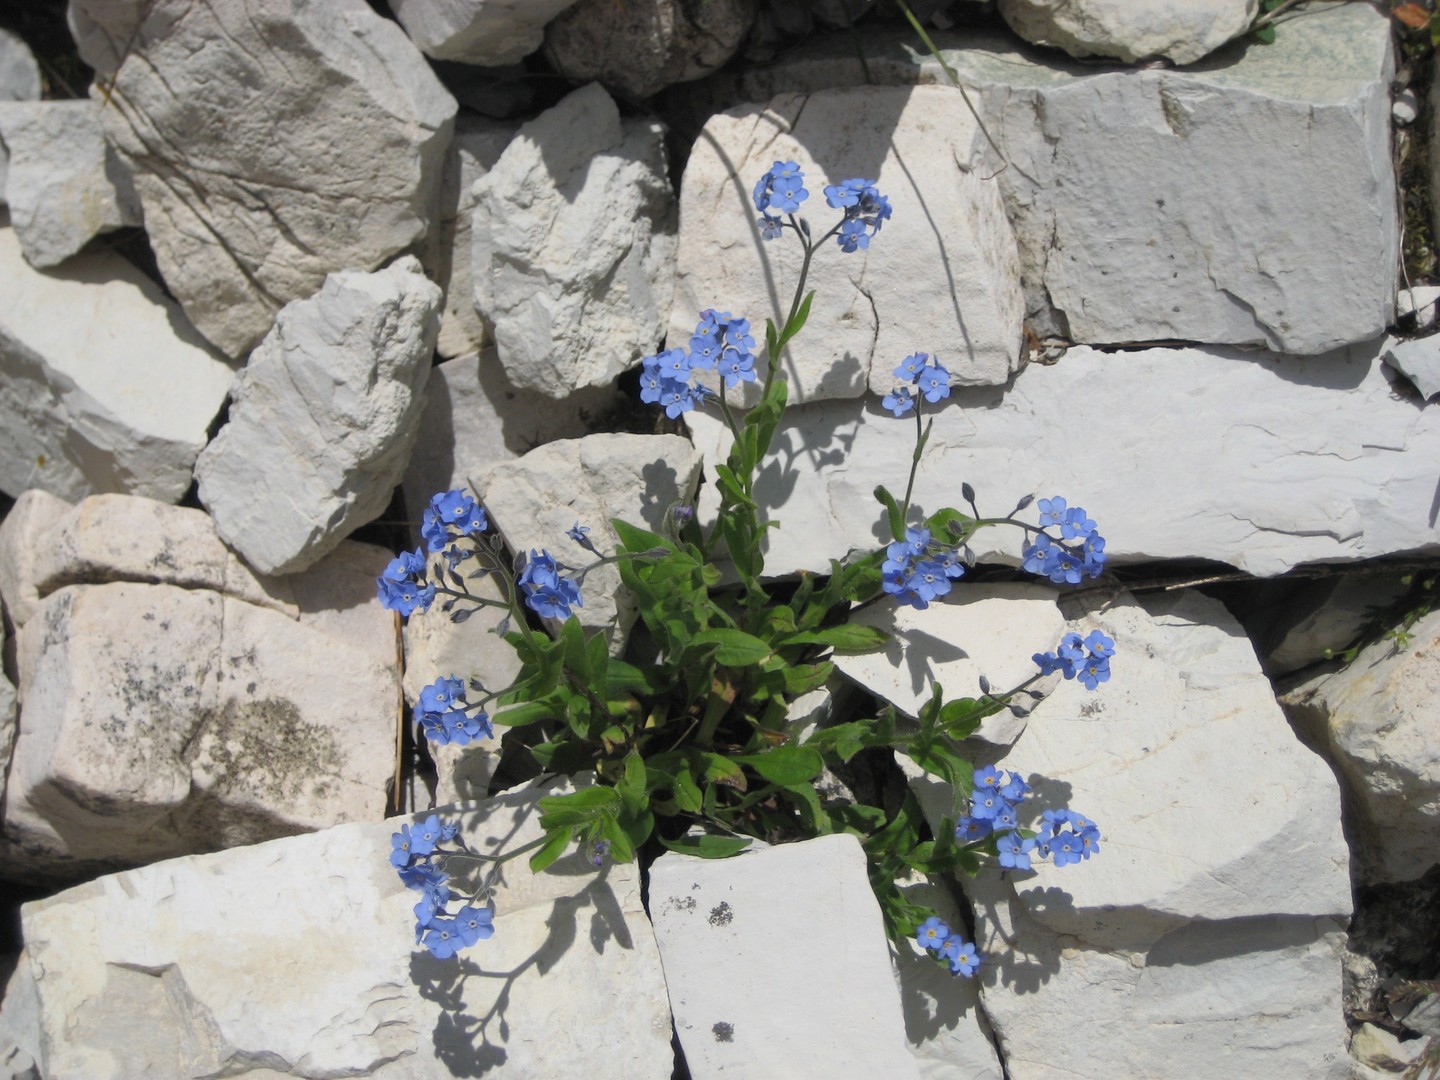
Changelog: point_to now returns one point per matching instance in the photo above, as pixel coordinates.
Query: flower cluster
(1086, 659)
(451, 515)
(936, 937)
(916, 571)
(403, 586)
(446, 717)
(417, 856)
(931, 381)
(865, 210)
(548, 592)
(1078, 554)
(782, 188)
(721, 343)
(995, 811)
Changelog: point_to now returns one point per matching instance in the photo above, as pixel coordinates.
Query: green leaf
(636, 540)
(845, 638)
(576, 658)
(554, 846)
(893, 517)
(579, 807)
(795, 325)
(686, 792)
(528, 713)
(621, 848)
(708, 845)
(802, 678)
(785, 765)
(632, 787)
(1265, 35)
(735, 647)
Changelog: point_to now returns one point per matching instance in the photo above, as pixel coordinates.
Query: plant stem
(914, 464)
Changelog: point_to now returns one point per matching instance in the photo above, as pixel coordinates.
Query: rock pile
(1159, 257)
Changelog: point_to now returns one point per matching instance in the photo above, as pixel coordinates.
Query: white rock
(19, 73)
(1406, 107)
(269, 146)
(1210, 1000)
(293, 959)
(113, 393)
(1376, 717)
(574, 245)
(126, 538)
(475, 418)
(1131, 29)
(64, 185)
(487, 32)
(736, 938)
(639, 49)
(1419, 301)
(159, 721)
(1419, 361)
(1324, 616)
(1272, 461)
(25, 536)
(342, 376)
(1177, 231)
(948, 230)
(478, 144)
(20, 1049)
(638, 478)
(1378, 1055)
(336, 597)
(990, 630)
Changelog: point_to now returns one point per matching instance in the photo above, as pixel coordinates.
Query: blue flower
(781, 188)
(899, 401)
(581, 535)
(934, 383)
(989, 777)
(932, 933)
(402, 586)
(548, 593)
(1087, 660)
(1014, 851)
(852, 236)
(474, 924)
(964, 960)
(865, 210)
(400, 853)
(969, 829)
(442, 937)
(770, 227)
(911, 367)
(425, 836)
(1052, 511)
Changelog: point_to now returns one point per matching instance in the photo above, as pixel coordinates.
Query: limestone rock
(486, 32)
(106, 387)
(639, 478)
(948, 230)
(1376, 718)
(19, 73)
(736, 937)
(1420, 302)
(137, 973)
(1272, 461)
(322, 418)
(989, 630)
(639, 49)
(158, 721)
(1177, 231)
(475, 418)
(1323, 616)
(478, 144)
(25, 535)
(1419, 361)
(125, 538)
(270, 145)
(574, 245)
(20, 1050)
(1131, 29)
(64, 185)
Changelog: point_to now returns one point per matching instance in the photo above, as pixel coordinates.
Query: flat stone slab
(737, 940)
(107, 387)
(1131, 30)
(295, 958)
(1144, 201)
(1272, 461)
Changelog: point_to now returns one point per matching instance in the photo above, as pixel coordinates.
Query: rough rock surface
(486, 32)
(475, 418)
(25, 536)
(1377, 719)
(989, 630)
(1271, 462)
(639, 49)
(323, 417)
(19, 73)
(20, 1022)
(638, 478)
(574, 245)
(1131, 29)
(948, 229)
(1419, 361)
(736, 937)
(1177, 231)
(135, 970)
(1324, 615)
(158, 721)
(1214, 910)
(478, 144)
(270, 145)
(106, 387)
(64, 185)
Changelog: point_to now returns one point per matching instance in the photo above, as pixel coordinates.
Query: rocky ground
(275, 273)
